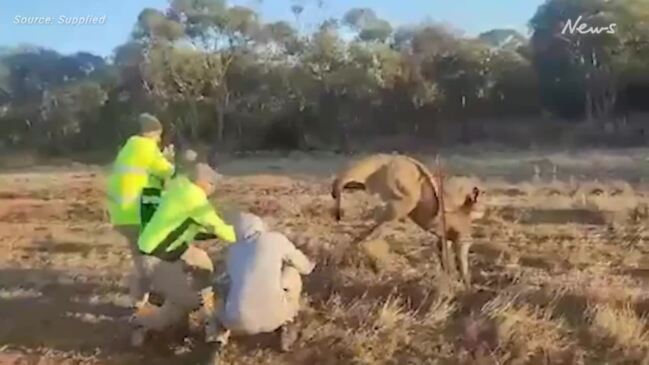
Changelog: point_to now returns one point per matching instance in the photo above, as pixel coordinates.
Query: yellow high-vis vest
(137, 162)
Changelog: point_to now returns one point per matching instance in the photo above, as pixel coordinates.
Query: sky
(471, 16)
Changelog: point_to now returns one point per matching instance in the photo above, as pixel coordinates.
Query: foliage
(217, 73)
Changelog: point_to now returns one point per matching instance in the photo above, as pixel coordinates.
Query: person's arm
(297, 259)
(207, 217)
(161, 167)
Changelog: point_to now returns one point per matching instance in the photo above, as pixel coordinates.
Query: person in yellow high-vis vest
(177, 269)
(139, 164)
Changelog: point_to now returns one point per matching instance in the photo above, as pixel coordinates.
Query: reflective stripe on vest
(151, 196)
(123, 199)
(148, 199)
(121, 169)
(162, 250)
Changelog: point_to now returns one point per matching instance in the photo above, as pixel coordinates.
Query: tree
(221, 33)
(503, 39)
(154, 26)
(282, 35)
(368, 26)
(5, 91)
(512, 84)
(586, 67)
(462, 80)
(36, 80)
(217, 73)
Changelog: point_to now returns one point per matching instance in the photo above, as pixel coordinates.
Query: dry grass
(620, 327)
(379, 329)
(559, 276)
(525, 332)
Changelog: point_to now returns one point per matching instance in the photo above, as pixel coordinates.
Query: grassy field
(558, 261)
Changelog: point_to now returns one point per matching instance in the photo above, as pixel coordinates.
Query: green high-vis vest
(184, 212)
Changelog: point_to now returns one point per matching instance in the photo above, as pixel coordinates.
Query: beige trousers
(185, 284)
(138, 282)
(292, 285)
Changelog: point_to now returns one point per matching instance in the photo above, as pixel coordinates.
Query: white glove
(311, 267)
(190, 156)
(169, 152)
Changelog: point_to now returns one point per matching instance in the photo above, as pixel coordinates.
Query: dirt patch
(535, 263)
(563, 216)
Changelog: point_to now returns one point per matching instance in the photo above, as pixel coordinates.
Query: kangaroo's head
(470, 206)
(337, 188)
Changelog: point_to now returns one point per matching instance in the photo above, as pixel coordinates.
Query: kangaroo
(409, 190)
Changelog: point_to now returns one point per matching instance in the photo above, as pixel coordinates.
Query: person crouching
(264, 283)
(178, 270)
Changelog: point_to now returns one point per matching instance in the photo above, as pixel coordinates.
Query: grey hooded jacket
(256, 301)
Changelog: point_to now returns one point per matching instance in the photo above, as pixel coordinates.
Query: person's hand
(169, 152)
(311, 267)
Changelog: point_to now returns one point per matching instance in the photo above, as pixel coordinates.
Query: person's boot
(139, 334)
(142, 301)
(211, 329)
(218, 344)
(207, 314)
(156, 298)
(288, 336)
(215, 358)
(138, 337)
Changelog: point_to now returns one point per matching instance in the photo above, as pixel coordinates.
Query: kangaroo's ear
(334, 189)
(475, 192)
(471, 199)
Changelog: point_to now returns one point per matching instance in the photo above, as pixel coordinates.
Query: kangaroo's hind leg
(424, 216)
(394, 209)
(462, 260)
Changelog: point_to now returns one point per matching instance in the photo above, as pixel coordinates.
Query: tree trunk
(240, 129)
(599, 108)
(344, 135)
(193, 122)
(328, 119)
(588, 107)
(220, 121)
(301, 132)
(344, 114)
(465, 131)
